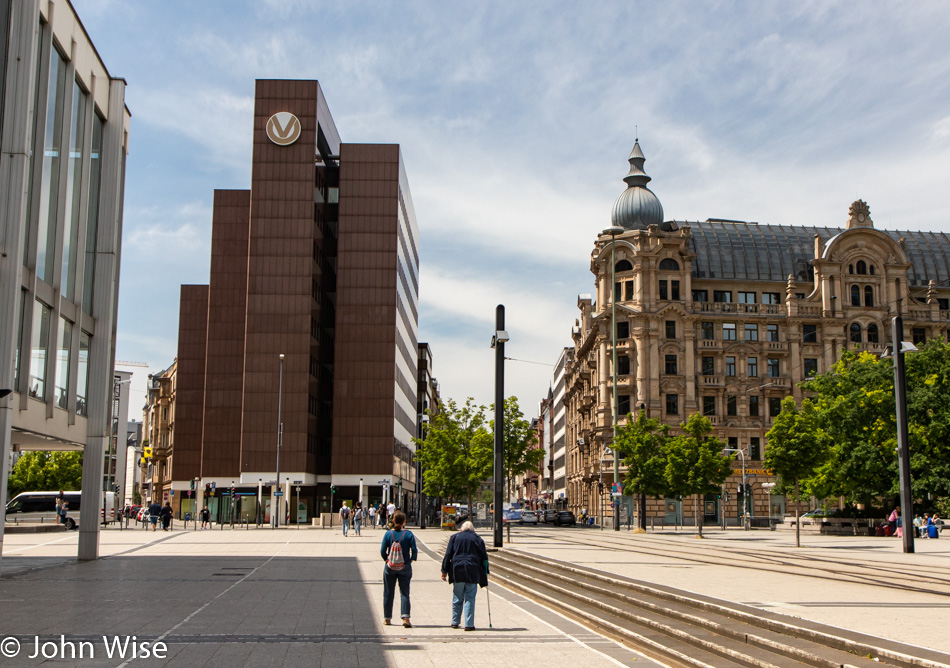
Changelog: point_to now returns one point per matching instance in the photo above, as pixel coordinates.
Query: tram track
(932, 580)
(685, 629)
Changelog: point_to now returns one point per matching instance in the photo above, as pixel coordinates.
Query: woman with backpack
(357, 518)
(398, 550)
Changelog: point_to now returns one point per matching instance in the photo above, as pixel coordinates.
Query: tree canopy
(456, 453)
(45, 471)
(519, 442)
(641, 444)
(798, 446)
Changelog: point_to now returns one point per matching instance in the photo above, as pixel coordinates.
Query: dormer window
(862, 267)
(623, 265)
(667, 264)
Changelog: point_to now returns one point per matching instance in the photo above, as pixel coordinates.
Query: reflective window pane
(49, 186)
(39, 351)
(62, 362)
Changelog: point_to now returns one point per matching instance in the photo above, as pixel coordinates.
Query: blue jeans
(464, 593)
(346, 526)
(356, 526)
(389, 591)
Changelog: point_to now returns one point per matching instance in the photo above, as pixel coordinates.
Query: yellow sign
(147, 451)
(754, 472)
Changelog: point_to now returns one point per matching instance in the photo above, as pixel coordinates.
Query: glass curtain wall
(49, 185)
(39, 354)
(82, 380)
(73, 192)
(62, 363)
(92, 216)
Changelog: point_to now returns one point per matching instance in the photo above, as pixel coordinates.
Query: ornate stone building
(726, 318)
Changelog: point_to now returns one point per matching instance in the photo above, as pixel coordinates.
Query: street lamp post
(613, 231)
(280, 433)
(498, 343)
(903, 449)
(745, 514)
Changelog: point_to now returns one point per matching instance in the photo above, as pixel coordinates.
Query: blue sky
(515, 120)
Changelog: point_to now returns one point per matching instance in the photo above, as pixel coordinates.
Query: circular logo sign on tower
(283, 128)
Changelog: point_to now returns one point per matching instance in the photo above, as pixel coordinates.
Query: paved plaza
(292, 597)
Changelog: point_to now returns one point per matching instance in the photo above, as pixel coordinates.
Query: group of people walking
(356, 517)
(464, 566)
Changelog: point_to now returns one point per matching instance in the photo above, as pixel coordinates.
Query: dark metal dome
(637, 207)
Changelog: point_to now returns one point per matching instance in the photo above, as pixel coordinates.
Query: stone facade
(726, 318)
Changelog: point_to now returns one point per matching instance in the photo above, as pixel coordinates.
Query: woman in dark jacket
(465, 565)
(166, 515)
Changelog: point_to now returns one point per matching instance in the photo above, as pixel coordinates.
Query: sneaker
(455, 626)
(469, 628)
(406, 622)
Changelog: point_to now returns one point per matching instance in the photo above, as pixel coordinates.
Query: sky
(515, 120)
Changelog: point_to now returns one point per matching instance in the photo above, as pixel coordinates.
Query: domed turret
(637, 207)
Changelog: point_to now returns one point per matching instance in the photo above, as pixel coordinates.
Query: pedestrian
(205, 517)
(345, 518)
(357, 518)
(390, 511)
(154, 511)
(380, 515)
(398, 551)
(372, 516)
(62, 511)
(166, 515)
(59, 510)
(465, 566)
(900, 525)
(892, 520)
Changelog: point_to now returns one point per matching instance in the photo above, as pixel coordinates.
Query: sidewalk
(274, 598)
(912, 617)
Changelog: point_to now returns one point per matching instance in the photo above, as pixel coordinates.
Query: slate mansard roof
(747, 251)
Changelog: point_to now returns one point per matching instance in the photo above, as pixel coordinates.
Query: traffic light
(192, 484)
(332, 489)
(207, 489)
(739, 488)
(232, 491)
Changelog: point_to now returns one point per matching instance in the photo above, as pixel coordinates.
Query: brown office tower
(309, 359)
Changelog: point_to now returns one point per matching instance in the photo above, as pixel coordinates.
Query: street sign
(382, 482)
(173, 492)
(189, 493)
(279, 492)
(298, 482)
(212, 485)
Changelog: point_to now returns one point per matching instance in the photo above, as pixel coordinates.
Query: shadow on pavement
(281, 611)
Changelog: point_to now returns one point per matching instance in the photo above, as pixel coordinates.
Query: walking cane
(488, 595)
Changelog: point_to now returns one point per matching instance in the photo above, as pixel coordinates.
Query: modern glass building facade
(64, 142)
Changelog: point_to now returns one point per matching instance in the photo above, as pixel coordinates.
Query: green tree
(642, 445)
(798, 446)
(695, 463)
(40, 470)
(456, 454)
(519, 442)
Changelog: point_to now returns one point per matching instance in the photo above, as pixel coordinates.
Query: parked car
(549, 516)
(529, 517)
(565, 517)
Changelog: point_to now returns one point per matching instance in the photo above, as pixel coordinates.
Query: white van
(31, 507)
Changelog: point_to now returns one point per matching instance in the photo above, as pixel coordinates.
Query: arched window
(868, 295)
(862, 267)
(872, 270)
(623, 265)
(666, 264)
(855, 330)
(850, 268)
(855, 295)
(872, 333)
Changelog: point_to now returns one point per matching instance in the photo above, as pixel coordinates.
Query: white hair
(468, 526)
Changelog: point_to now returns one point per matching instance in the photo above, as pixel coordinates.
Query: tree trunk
(798, 516)
(699, 518)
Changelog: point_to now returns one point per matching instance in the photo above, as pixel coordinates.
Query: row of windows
(707, 331)
(40, 358)
(671, 366)
(709, 406)
(666, 264)
(725, 297)
(856, 295)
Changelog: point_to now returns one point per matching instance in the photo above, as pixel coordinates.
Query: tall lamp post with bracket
(613, 231)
